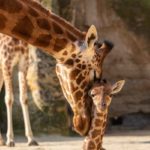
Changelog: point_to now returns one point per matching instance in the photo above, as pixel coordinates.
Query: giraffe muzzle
(109, 44)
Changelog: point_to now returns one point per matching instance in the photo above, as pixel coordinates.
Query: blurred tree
(46, 3)
(135, 13)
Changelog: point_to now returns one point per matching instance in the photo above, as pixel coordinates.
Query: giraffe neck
(29, 21)
(95, 135)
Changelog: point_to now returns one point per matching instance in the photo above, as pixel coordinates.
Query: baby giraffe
(101, 94)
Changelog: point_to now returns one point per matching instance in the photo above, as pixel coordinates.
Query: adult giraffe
(79, 56)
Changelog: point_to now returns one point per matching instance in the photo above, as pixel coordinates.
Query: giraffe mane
(37, 6)
(68, 25)
(58, 20)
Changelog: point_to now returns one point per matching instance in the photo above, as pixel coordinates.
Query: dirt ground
(136, 140)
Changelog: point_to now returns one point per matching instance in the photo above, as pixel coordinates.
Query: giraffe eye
(98, 44)
(92, 95)
(111, 95)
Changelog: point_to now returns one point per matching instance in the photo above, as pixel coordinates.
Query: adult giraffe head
(77, 73)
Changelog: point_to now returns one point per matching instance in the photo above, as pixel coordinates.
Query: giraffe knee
(9, 101)
(24, 101)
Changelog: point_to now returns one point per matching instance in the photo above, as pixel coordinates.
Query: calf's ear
(117, 87)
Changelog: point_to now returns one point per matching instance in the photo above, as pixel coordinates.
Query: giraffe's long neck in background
(29, 21)
(95, 136)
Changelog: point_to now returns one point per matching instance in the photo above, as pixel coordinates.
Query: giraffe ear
(91, 36)
(117, 87)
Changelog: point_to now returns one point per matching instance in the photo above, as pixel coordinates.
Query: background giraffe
(101, 96)
(12, 52)
(78, 54)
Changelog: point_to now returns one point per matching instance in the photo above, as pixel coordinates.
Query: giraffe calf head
(101, 94)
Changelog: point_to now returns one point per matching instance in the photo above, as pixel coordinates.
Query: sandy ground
(137, 140)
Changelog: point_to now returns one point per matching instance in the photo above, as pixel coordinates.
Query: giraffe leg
(24, 101)
(7, 74)
(1, 84)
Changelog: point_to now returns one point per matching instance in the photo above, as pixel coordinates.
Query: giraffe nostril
(104, 104)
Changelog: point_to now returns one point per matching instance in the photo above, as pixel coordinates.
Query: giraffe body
(78, 55)
(101, 98)
(13, 52)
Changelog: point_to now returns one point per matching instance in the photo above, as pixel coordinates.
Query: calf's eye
(92, 95)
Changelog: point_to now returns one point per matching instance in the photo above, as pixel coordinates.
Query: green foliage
(62, 8)
(135, 13)
(47, 3)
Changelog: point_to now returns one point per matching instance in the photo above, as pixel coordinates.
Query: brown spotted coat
(77, 59)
